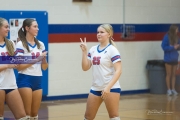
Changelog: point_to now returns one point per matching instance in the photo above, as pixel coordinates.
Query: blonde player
(106, 66)
(29, 75)
(8, 87)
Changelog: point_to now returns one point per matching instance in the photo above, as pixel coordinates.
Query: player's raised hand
(83, 45)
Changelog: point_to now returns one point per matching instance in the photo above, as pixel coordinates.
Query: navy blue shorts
(98, 93)
(33, 82)
(7, 90)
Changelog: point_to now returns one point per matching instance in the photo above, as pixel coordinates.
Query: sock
(23, 118)
(28, 117)
(34, 118)
(115, 118)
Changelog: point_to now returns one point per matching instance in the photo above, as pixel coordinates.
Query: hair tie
(112, 38)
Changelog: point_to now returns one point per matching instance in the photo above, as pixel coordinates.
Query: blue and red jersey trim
(115, 58)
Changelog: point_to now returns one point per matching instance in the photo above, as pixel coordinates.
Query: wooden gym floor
(132, 107)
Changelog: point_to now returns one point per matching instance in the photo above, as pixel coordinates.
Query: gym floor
(132, 107)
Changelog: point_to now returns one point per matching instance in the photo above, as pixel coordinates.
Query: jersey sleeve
(19, 49)
(115, 55)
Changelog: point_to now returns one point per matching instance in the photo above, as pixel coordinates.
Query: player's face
(4, 29)
(33, 30)
(102, 35)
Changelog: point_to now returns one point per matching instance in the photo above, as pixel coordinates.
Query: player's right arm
(86, 63)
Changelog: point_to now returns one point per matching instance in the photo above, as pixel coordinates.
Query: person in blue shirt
(171, 45)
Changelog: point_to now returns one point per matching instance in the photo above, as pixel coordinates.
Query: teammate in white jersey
(8, 87)
(105, 61)
(29, 75)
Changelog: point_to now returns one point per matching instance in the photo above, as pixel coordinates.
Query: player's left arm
(44, 64)
(118, 71)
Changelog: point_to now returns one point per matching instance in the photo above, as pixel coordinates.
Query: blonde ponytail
(112, 43)
(10, 47)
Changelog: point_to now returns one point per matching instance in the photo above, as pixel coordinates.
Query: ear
(27, 28)
(109, 35)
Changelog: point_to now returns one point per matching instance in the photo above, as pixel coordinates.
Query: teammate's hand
(105, 93)
(42, 56)
(83, 45)
(176, 46)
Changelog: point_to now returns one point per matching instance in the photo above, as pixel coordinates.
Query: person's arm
(118, 71)
(3, 67)
(24, 66)
(44, 64)
(86, 63)
(165, 44)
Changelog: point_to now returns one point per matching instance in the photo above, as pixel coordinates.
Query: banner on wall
(15, 25)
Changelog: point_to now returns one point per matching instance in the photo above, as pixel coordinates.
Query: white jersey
(7, 76)
(35, 69)
(102, 66)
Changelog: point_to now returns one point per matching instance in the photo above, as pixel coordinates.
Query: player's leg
(112, 105)
(15, 103)
(168, 77)
(174, 68)
(36, 102)
(2, 100)
(93, 102)
(26, 95)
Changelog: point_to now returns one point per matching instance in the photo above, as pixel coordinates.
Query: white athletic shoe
(174, 92)
(169, 92)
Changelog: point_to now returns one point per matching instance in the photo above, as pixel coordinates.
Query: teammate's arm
(3, 67)
(44, 64)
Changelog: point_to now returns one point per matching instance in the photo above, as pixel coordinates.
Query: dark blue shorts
(98, 93)
(33, 82)
(7, 90)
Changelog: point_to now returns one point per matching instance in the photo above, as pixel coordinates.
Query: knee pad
(34, 118)
(1, 118)
(23, 118)
(115, 118)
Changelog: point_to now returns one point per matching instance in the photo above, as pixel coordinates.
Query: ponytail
(9, 46)
(112, 42)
